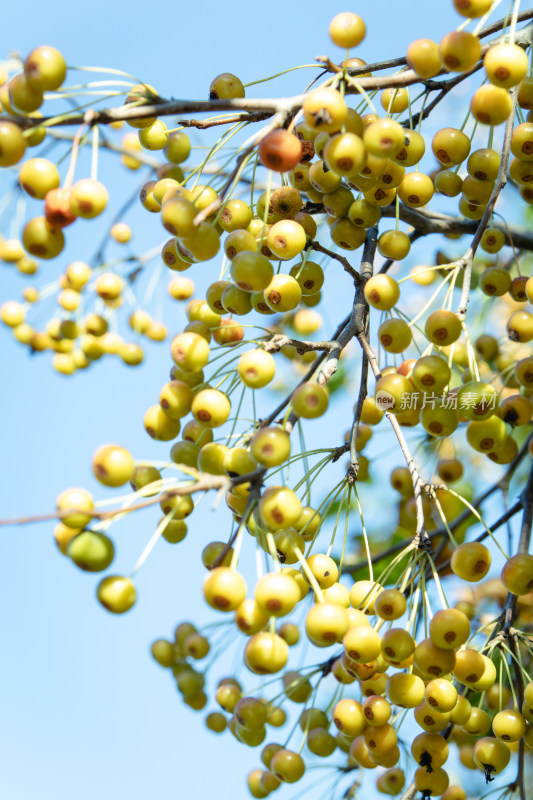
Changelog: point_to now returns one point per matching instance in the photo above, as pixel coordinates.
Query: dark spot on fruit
(273, 160)
(451, 61)
(345, 164)
(502, 73)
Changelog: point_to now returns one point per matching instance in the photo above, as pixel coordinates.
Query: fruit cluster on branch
(413, 609)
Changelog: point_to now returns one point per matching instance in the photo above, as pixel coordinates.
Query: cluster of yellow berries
(343, 164)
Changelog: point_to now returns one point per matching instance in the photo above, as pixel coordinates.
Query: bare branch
(338, 257)
(279, 340)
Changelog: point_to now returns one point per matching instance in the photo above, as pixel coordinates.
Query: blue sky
(84, 708)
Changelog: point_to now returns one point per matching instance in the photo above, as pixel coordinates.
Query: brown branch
(426, 222)
(279, 340)
(256, 116)
(160, 107)
(163, 108)
(363, 391)
(494, 27)
(390, 63)
(253, 497)
(361, 327)
(203, 483)
(219, 199)
(338, 257)
(308, 375)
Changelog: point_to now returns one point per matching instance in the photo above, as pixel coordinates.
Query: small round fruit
(491, 755)
(491, 105)
(225, 87)
(382, 292)
(283, 293)
(271, 446)
(310, 400)
(91, 551)
(40, 238)
(460, 51)
(509, 725)
(160, 426)
(505, 65)
(287, 766)
(280, 150)
(112, 465)
(211, 408)
(517, 574)
(443, 327)
(76, 501)
(116, 594)
(347, 30)
(38, 176)
(324, 110)
(88, 198)
(224, 589)
(423, 57)
(45, 68)
(286, 239)
(265, 653)
(450, 146)
(471, 561)
(251, 271)
(256, 368)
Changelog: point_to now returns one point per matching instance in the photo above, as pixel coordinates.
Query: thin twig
(501, 180)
